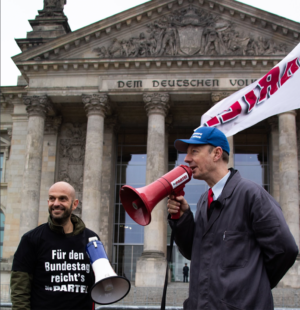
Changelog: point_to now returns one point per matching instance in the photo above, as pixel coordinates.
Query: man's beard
(64, 217)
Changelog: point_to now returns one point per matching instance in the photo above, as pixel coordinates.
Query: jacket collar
(78, 225)
(228, 189)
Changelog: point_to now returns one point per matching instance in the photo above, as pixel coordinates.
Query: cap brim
(182, 145)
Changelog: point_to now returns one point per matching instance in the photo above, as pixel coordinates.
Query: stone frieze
(190, 32)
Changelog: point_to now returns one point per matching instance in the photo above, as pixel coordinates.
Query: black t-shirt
(61, 269)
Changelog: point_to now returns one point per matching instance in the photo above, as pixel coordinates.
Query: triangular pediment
(176, 28)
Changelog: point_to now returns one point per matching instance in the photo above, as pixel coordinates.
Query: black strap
(169, 260)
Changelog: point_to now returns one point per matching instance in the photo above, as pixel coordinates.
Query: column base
(292, 277)
(151, 270)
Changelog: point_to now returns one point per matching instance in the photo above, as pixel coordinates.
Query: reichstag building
(100, 107)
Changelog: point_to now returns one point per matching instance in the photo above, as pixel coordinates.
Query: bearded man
(51, 269)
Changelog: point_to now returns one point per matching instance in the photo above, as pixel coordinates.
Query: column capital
(218, 96)
(292, 112)
(95, 104)
(37, 105)
(157, 103)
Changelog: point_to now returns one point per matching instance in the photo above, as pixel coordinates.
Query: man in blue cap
(238, 242)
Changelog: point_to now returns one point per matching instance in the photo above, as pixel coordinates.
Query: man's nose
(187, 158)
(56, 202)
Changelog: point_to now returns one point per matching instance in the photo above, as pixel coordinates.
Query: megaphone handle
(177, 192)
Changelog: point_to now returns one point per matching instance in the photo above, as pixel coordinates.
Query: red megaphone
(139, 202)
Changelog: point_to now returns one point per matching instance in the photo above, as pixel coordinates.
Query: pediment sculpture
(190, 32)
(52, 8)
(54, 4)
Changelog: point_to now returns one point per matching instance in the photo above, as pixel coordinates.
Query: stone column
(288, 184)
(96, 106)
(288, 171)
(215, 98)
(108, 184)
(15, 166)
(274, 157)
(151, 266)
(15, 169)
(37, 108)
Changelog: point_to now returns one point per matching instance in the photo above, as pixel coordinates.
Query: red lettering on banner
(213, 122)
(250, 99)
(290, 69)
(233, 112)
(269, 84)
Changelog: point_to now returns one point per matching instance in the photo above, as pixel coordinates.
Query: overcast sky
(16, 13)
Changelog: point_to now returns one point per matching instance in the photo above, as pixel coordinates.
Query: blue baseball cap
(204, 135)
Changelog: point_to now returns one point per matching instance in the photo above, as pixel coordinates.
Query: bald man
(51, 269)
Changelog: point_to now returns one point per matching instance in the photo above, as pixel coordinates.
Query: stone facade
(146, 74)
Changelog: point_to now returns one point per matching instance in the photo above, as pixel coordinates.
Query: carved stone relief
(188, 32)
(71, 157)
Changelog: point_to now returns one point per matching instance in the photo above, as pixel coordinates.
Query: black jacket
(240, 253)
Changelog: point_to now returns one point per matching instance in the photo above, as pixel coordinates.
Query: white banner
(276, 92)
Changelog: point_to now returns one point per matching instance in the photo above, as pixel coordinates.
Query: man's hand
(179, 204)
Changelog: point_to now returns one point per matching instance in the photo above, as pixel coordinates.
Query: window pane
(178, 262)
(136, 176)
(124, 217)
(247, 159)
(253, 173)
(126, 262)
(193, 192)
(131, 233)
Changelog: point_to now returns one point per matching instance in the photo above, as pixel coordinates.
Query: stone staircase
(177, 292)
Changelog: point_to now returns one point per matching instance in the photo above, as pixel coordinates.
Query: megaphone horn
(108, 287)
(139, 202)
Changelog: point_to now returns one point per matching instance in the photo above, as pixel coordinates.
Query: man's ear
(75, 204)
(218, 153)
